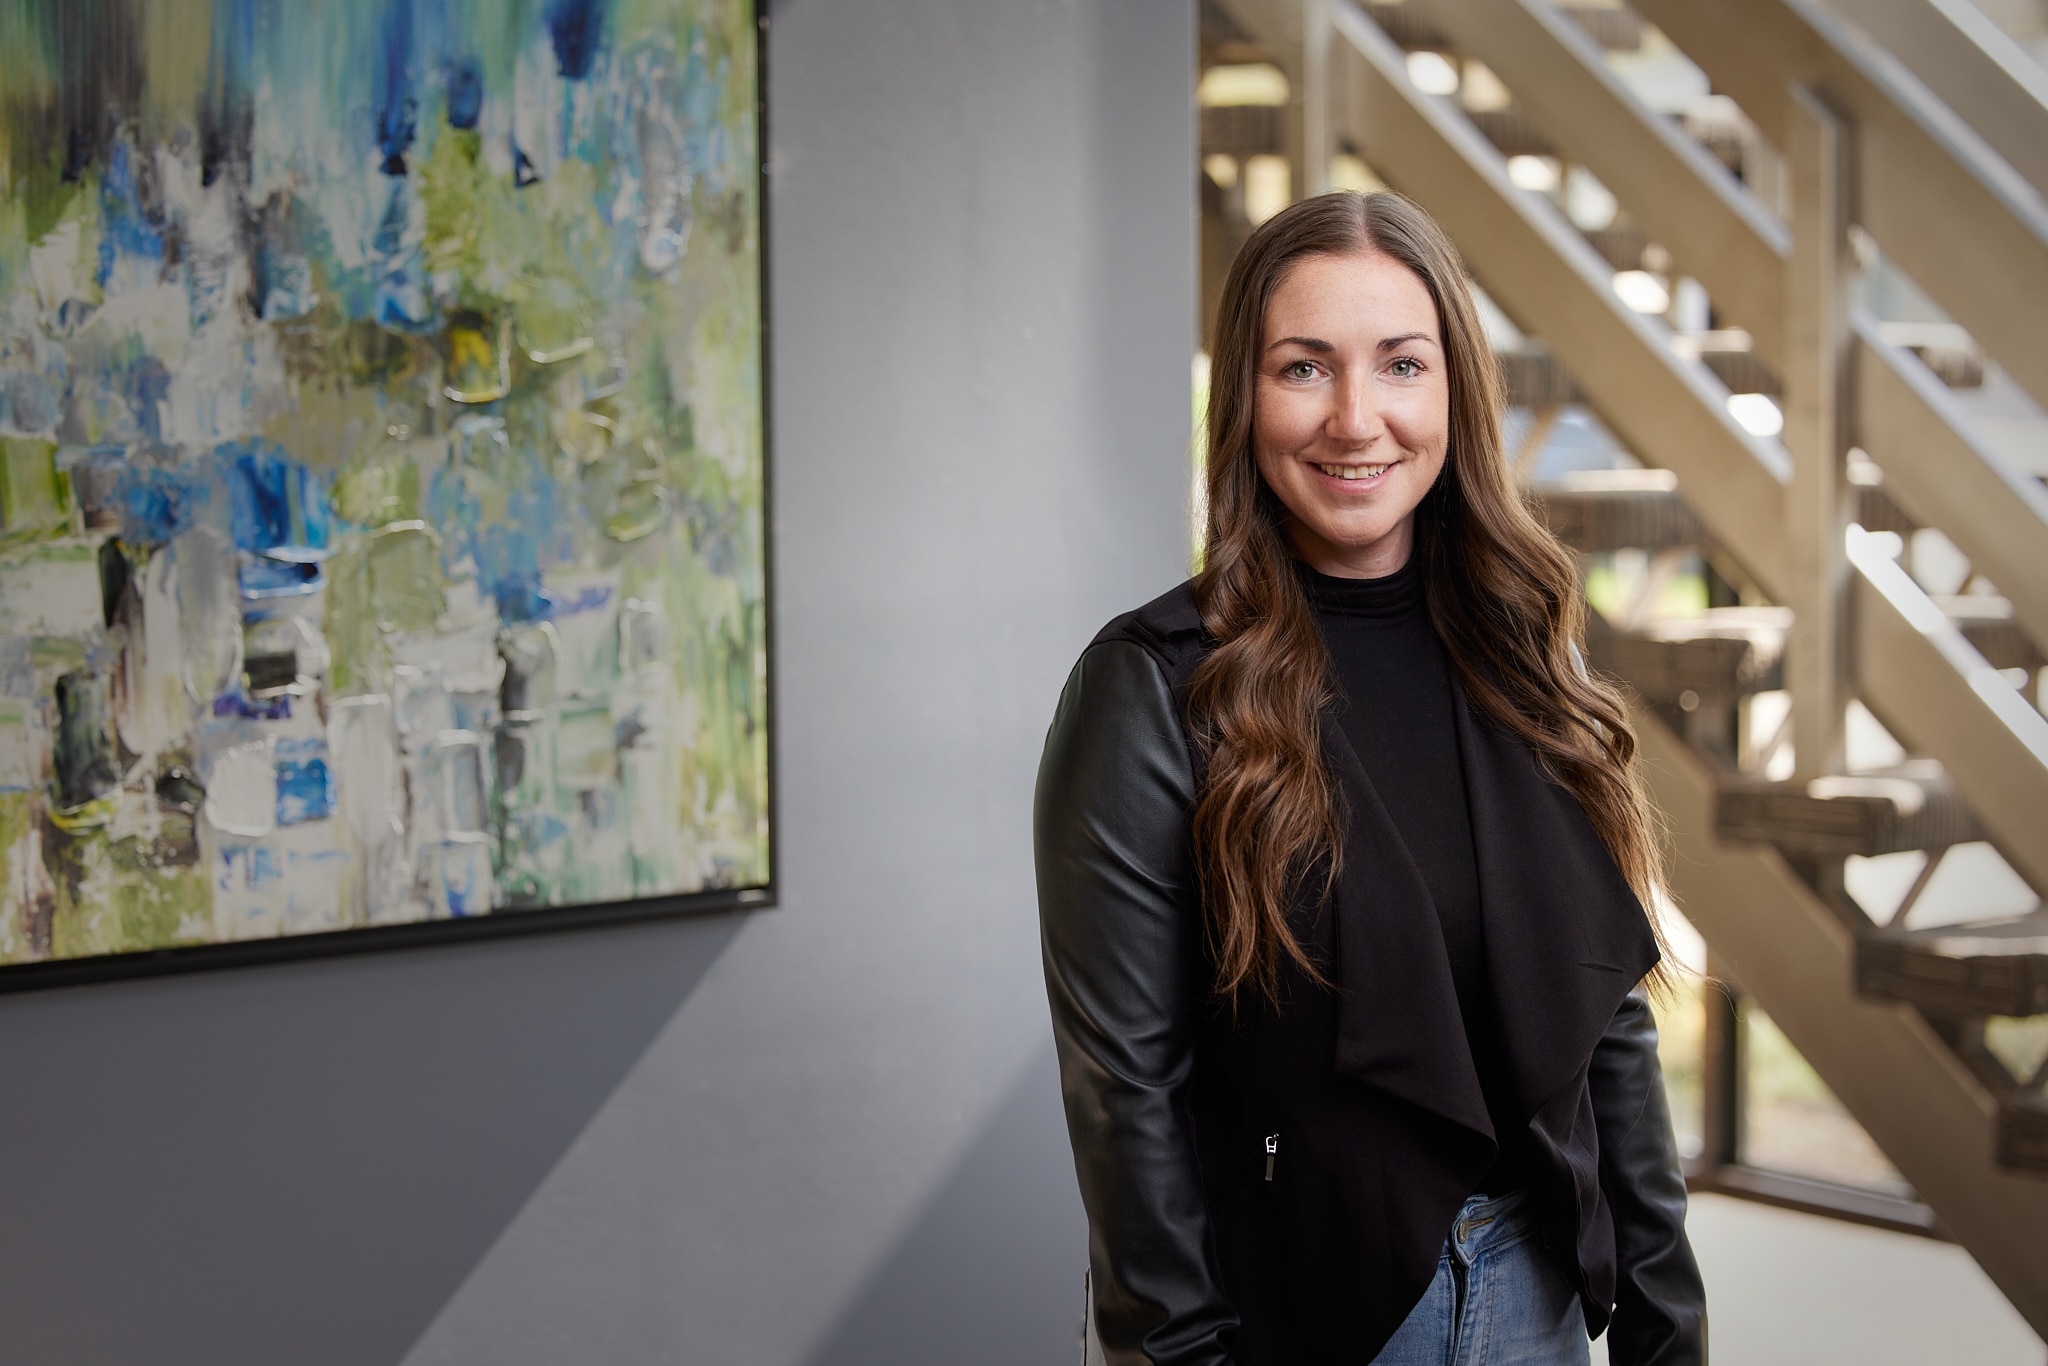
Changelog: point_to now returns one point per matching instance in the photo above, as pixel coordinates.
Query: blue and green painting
(380, 464)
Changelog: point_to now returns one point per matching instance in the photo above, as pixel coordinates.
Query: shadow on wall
(394, 1111)
(971, 1279)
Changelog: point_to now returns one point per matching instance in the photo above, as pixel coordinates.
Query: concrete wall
(827, 1133)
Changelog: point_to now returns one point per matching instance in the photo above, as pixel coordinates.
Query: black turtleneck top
(1394, 685)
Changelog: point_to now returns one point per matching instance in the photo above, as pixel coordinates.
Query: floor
(1788, 1289)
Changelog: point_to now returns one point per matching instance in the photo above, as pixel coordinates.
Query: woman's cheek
(1300, 420)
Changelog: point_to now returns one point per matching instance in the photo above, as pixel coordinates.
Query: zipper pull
(1272, 1151)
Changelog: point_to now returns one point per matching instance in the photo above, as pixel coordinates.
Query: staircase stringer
(1714, 226)
(1902, 1083)
(1944, 477)
(1971, 65)
(1927, 180)
(1932, 689)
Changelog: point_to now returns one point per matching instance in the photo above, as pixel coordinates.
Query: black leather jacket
(1197, 1260)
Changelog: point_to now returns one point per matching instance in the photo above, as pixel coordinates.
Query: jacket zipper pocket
(1272, 1151)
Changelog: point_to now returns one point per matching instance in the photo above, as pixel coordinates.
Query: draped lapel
(1398, 1026)
(1565, 936)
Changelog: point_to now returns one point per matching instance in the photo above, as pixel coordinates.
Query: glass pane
(1681, 1030)
(1793, 1124)
(1681, 1041)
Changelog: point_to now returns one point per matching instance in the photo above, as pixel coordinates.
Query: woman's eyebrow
(1316, 344)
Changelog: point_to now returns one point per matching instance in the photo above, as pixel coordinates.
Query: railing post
(1721, 1073)
(1317, 146)
(1815, 378)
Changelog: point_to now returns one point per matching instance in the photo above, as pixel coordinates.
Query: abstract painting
(381, 465)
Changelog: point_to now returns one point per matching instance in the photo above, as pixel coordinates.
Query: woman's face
(1352, 411)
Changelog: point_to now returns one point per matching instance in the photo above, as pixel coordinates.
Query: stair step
(1410, 29)
(1535, 379)
(2023, 1134)
(1987, 623)
(1721, 653)
(1913, 807)
(1999, 968)
(1604, 510)
(1607, 510)
(1512, 133)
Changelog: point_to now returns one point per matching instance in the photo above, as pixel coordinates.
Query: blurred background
(1767, 276)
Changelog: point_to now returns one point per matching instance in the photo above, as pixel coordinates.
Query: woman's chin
(1354, 547)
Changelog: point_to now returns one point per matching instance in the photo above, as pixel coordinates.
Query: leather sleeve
(1121, 932)
(1660, 1312)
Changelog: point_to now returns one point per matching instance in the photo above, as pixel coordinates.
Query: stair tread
(2011, 937)
(1987, 622)
(1595, 510)
(1997, 967)
(1722, 651)
(1913, 806)
(1973, 607)
(1607, 510)
(1757, 624)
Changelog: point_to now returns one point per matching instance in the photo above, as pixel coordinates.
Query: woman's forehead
(1348, 297)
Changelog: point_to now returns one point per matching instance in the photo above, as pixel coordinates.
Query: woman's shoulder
(1118, 736)
(1169, 628)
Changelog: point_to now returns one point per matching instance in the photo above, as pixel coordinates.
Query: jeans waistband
(1487, 1221)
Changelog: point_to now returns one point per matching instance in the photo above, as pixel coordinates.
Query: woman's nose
(1356, 419)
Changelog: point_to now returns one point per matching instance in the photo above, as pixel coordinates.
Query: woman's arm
(1121, 930)
(1660, 1312)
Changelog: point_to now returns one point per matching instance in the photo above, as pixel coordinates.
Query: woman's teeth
(1354, 471)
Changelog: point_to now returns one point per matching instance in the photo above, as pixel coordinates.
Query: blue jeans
(1498, 1299)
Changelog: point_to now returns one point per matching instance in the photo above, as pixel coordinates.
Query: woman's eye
(1301, 369)
(1406, 368)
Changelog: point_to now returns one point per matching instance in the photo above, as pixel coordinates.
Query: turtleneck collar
(1389, 598)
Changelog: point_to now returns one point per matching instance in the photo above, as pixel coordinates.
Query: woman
(1343, 872)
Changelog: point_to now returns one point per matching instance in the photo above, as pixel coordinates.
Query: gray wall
(827, 1133)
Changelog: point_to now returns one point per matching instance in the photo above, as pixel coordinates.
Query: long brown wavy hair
(1503, 595)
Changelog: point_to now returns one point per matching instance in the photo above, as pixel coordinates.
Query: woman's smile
(1355, 474)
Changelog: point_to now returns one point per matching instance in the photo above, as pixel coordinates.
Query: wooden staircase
(1693, 670)
(1847, 142)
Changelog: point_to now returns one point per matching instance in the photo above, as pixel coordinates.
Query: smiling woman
(1343, 872)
